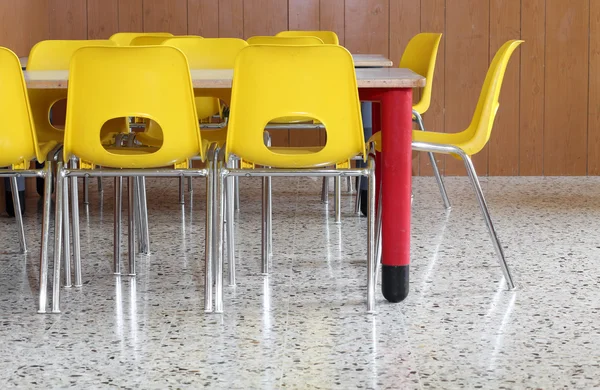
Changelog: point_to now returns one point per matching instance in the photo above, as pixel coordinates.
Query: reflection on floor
(305, 326)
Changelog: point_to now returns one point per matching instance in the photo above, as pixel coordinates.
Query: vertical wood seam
(587, 130)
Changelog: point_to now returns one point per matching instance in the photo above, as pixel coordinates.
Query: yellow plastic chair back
(52, 55)
(297, 41)
(148, 40)
(125, 38)
(18, 143)
(420, 56)
(56, 54)
(479, 131)
(314, 82)
(328, 37)
(98, 92)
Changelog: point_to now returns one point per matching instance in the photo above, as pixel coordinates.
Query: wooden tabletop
(371, 61)
(360, 61)
(216, 79)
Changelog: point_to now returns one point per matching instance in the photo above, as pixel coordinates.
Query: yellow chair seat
(460, 140)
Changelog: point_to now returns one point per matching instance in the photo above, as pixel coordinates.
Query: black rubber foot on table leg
(394, 282)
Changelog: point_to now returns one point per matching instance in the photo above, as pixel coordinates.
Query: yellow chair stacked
(328, 37)
(19, 147)
(98, 93)
(313, 82)
(472, 140)
(125, 38)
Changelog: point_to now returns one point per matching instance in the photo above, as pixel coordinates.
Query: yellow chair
(98, 93)
(268, 40)
(472, 140)
(315, 83)
(19, 147)
(151, 40)
(328, 37)
(125, 38)
(55, 55)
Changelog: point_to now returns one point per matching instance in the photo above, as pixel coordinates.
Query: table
(392, 87)
(371, 61)
(360, 61)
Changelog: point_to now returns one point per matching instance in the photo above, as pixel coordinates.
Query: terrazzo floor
(305, 326)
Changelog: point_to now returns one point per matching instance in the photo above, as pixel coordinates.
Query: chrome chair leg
(144, 225)
(229, 223)
(436, 171)
(270, 215)
(58, 240)
(75, 227)
(357, 202)
(117, 232)
(181, 190)
(350, 184)
(43, 294)
(378, 239)
(131, 226)
(14, 188)
(137, 214)
(219, 247)
(488, 221)
(86, 190)
(100, 185)
(265, 227)
(190, 185)
(371, 266)
(338, 199)
(209, 246)
(67, 233)
(325, 191)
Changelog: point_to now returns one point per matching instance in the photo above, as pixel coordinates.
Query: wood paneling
(231, 18)
(333, 18)
(265, 17)
(594, 98)
(467, 53)
(433, 19)
(367, 27)
(203, 18)
(166, 16)
(505, 24)
(531, 137)
(566, 98)
(304, 14)
(67, 19)
(103, 18)
(131, 15)
(549, 118)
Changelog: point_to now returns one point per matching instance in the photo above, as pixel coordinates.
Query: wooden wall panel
(166, 16)
(203, 18)
(433, 19)
(594, 98)
(333, 18)
(505, 24)
(131, 15)
(549, 120)
(467, 53)
(367, 26)
(103, 18)
(531, 137)
(265, 17)
(304, 14)
(566, 99)
(67, 19)
(231, 18)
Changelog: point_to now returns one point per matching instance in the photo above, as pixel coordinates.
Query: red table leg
(396, 116)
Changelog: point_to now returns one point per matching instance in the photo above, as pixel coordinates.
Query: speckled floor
(305, 326)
